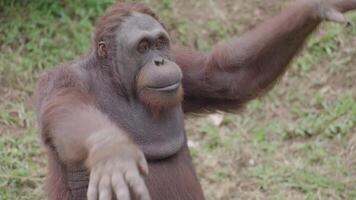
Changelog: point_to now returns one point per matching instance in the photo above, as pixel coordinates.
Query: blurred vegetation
(298, 142)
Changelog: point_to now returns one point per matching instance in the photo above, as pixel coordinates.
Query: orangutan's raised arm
(246, 67)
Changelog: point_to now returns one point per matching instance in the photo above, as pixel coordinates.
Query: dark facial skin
(158, 78)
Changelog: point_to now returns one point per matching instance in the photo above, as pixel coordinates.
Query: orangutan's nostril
(159, 62)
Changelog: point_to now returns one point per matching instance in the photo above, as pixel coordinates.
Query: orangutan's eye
(143, 46)
(162, 42)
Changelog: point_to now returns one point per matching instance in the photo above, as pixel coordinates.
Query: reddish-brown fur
(225, 79)
(56, 187)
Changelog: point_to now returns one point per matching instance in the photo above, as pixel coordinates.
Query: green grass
(295, 143)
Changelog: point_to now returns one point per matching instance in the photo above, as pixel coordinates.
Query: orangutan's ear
(102, 51)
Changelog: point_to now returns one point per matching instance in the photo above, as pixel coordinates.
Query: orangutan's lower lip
(168, 88)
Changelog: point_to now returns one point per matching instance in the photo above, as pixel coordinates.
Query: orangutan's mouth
(167, 88)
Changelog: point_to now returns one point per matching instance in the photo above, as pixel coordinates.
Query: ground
(298, 142)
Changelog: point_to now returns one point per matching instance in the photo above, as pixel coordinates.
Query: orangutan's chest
(159, 136)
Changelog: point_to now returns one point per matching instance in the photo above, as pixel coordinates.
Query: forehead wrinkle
(150, 34)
